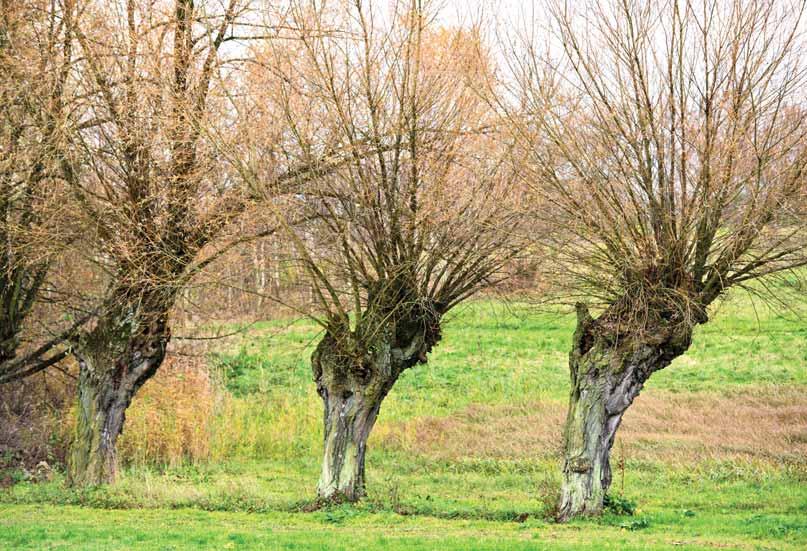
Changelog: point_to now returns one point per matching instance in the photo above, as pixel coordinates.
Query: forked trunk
(607, 374)
(110, 373)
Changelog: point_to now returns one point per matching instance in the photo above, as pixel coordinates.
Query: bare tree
(35, 60)
(667, 146)
(163, 176)
(413, 224)
(151, 193)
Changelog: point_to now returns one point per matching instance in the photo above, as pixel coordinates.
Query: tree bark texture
(111, 370)
(353, 377)
(608, 370)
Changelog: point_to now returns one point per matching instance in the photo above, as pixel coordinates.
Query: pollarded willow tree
(152, 190)
(159, 179)
(669, 140)
(35, 59)
(415, 223)
(149, 193)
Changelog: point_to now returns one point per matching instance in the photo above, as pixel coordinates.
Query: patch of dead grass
(169, 419)
(760, 425)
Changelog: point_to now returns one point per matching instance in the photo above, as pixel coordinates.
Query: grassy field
(465, 454)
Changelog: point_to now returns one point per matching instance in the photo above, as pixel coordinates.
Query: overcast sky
(455, 11)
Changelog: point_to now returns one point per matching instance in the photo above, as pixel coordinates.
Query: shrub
(619, 505)
(29, 415)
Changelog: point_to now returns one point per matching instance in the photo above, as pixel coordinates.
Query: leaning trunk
(607, 373)
(111, 371)
(588, 437)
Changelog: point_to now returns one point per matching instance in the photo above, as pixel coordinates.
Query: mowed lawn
(466, 451)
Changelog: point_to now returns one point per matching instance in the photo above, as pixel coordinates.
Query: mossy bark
(353, 376)
(111, 370)
(349, 418)
(607, 373)
(99, 422)
(588, 436)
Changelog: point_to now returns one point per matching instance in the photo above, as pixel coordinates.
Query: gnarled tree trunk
(349, 418)
(99, 421)
(353, 378)
(110, 373)
(608, 371)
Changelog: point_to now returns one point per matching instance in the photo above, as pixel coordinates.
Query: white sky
(510, 11)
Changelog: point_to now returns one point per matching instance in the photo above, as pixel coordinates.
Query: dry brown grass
(169, 419)
(169, 422)
(767, 425)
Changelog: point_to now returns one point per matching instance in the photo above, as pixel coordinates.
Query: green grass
(266, 446)
(492, 353)
(349, 529)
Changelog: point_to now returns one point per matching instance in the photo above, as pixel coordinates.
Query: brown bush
(169, 420)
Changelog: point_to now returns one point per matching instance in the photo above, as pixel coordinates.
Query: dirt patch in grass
(763, 424)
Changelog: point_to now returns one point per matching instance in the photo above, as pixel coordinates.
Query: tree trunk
(260, 273)
(353, 378)
(99, 422)
(607, 374)
(111, 371)
(588, 437)
(348, 420)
